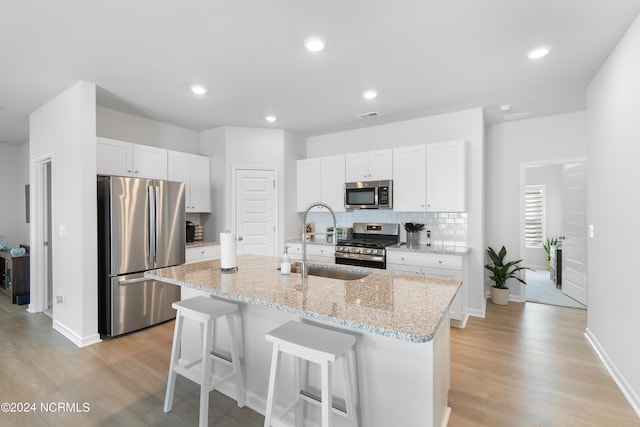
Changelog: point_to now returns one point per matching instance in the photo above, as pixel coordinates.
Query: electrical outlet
(59, 299)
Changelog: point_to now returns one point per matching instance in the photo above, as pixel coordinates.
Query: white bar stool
(321, 346)
(205, 311)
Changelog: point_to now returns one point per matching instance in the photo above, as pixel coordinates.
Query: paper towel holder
(228, 270)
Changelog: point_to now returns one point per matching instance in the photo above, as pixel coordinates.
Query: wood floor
(524, 365)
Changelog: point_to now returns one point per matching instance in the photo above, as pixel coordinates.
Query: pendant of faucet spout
(303, 264)
(313, 205)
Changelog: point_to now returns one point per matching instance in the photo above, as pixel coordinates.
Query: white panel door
(256, 211)
(574, 227)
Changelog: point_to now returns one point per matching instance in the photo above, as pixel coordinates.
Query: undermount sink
(330, 272)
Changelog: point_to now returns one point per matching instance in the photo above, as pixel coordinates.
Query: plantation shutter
(534, 215)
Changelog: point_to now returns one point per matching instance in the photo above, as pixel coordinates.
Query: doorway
(255, 210)
(559, 182)
(41, 242)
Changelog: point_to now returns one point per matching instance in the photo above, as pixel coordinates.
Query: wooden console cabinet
(14, 277)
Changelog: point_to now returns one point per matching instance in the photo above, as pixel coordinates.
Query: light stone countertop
(199, 243)
(401, 306)
(433, 249)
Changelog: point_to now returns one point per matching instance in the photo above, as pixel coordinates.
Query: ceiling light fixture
(270, 119)
(538, 53)
(315, 44)
(505, 108)
(198, 90)
(370, 94)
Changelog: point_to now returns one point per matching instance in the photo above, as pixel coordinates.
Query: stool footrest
(312, 398)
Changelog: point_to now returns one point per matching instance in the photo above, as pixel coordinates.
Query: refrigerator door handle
(157, 216)
(151, 224)
(132, 281)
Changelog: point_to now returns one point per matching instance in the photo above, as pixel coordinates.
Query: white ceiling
(422, 56)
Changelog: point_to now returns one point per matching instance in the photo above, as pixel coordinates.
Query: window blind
(534, 215)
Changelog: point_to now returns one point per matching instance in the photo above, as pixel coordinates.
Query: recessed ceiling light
(315, 44)
(270, 119)
(198, 90)
(505, 108)
(539, 52)
(370, 94)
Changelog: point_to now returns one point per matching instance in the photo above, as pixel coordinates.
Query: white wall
(139, 130)
(551, 177)
(468, 125)
(613, 207)
(232, 147)
(64, 129)
(510, 145)
(14, 164)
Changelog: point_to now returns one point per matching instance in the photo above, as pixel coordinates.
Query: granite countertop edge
(306, 314)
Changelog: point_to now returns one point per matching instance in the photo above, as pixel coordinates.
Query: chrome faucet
(304, 269)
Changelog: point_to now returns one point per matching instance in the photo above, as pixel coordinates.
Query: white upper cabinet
(321, 179)
(447, 176)
(369, 166)
(114, 157)
(332, 171)
(409, 178)
(309, 183)
(149, 162)
(126, 159)
(193, 170)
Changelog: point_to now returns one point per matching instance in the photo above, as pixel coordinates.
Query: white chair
(318, 345)
(205, 311)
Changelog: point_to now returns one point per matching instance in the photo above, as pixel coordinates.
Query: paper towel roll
(227, 251)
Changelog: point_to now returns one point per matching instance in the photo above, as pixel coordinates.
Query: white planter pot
(500, 296)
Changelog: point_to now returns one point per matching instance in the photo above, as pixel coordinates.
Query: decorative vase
(500, 296)
(548, 265)
(413, 237)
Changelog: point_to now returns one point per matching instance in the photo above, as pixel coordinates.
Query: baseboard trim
(75, 338)
(619, 379)
(460, 324)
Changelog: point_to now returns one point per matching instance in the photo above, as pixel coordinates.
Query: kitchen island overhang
(401, 322)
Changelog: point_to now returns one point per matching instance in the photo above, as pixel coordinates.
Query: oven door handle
(364, 257)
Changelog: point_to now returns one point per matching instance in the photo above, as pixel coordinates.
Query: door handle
(239, 238)
(131, 281)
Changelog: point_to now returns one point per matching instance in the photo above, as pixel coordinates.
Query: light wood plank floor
(531, 365)
(550, 376)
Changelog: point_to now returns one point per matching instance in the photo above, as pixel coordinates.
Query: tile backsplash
(447, 228)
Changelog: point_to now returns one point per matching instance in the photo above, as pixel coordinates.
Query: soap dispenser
(285, 265)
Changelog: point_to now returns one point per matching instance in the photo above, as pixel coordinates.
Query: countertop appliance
(141, 226)
(369, 194)
(367, 247)
(191, 231)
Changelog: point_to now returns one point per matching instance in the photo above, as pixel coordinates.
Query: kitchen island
(400, 322)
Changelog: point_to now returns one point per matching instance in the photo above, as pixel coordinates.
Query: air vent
(370, 115)
(515, 116)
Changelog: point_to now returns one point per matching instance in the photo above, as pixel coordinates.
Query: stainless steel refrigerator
(141, 226)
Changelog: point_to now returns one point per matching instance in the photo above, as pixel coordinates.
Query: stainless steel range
(367, 246)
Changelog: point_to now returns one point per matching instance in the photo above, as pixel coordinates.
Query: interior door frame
(275, 170)
(38, 262)
(523, 175)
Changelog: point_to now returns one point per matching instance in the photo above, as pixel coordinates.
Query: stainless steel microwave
(369, 195)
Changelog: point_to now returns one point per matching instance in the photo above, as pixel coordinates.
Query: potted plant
(501, 273)
(547, 248)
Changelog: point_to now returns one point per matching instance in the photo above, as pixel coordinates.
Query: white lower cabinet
(202, 253)
(453, 266)
(315, 253)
